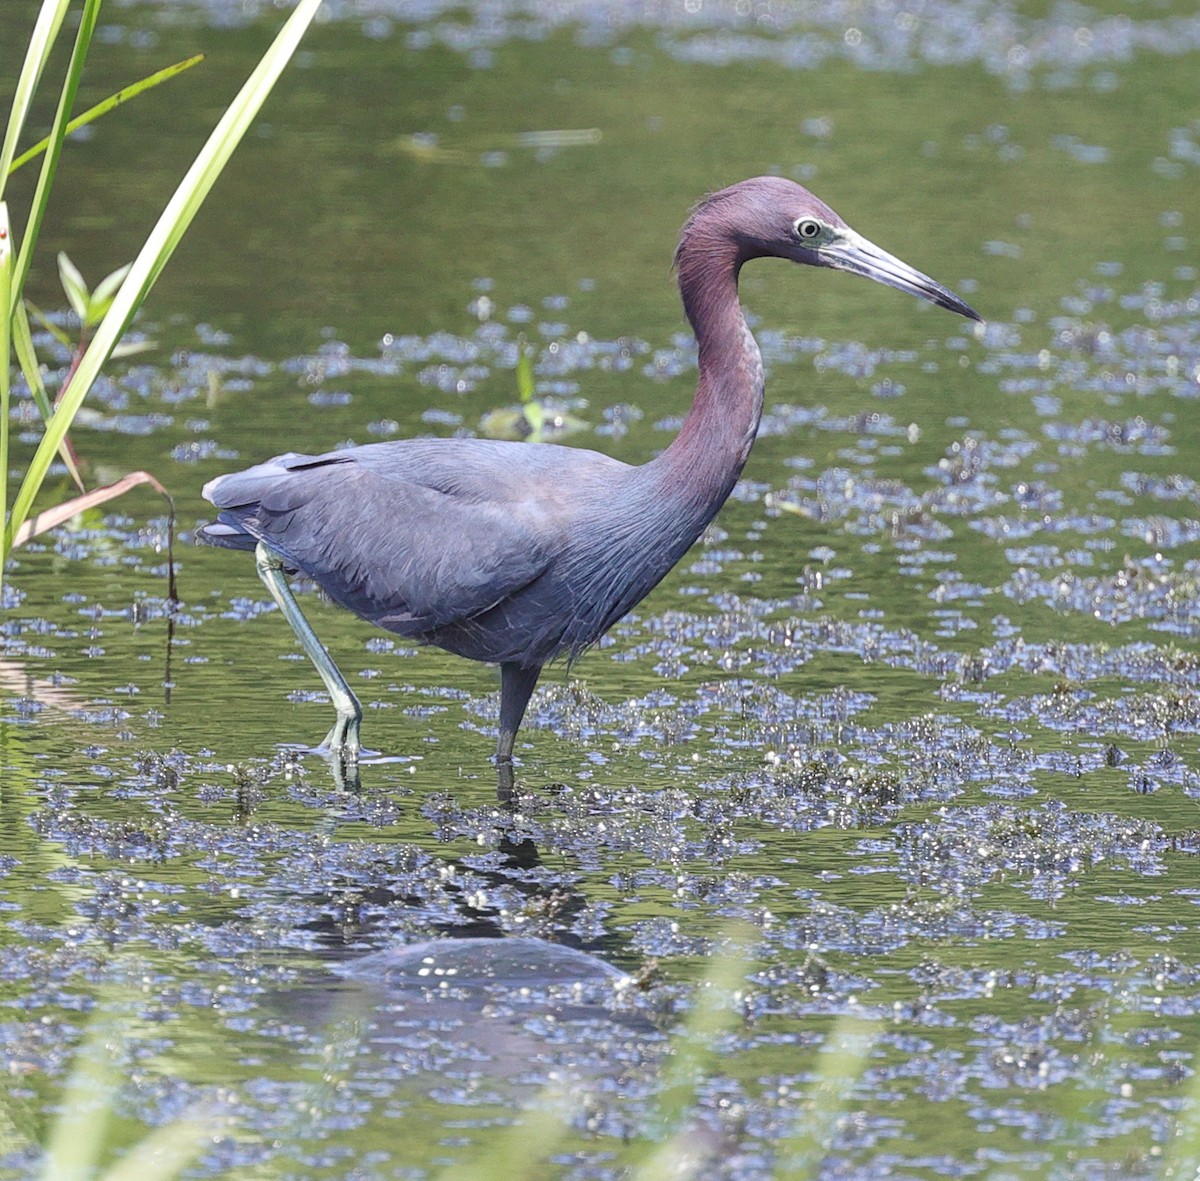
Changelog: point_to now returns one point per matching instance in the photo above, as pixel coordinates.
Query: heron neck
(707, 456)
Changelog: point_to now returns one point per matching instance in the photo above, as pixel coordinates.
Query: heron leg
(342, 739)
(516, 687)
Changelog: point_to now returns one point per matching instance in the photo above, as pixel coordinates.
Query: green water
(921, 710)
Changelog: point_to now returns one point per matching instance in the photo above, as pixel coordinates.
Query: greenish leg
(342, 739)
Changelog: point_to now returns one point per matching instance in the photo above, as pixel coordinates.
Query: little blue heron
(515, 553)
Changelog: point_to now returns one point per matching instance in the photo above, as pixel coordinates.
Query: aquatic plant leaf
(45, 30)
(60, 513)
(575, 137)
(526, 386)
(167, 1151)
(27, 356)
(74, 287)
(158, 248)
(113, 100)
(105, 291)
(6, 277)
(536, 417)
(504, 424)
(58, 131)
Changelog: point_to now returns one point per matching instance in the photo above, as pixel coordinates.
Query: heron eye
(808, 228)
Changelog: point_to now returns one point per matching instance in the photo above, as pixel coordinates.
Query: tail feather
(240, 491)
(225, 535)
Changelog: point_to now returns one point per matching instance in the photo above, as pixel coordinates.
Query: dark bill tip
(945, 298)
(856, 254)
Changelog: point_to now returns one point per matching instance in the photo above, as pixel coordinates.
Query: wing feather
(411, 547)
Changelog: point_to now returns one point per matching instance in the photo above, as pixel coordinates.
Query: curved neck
(704, 461)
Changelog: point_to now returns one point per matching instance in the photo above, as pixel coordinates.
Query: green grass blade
(45, 30)
(167, 1151)
(113, 100)
(1182, 1156)
(79, 1134)
(5, 364)
(842, 1061)
(66, 100)
(215, 155)
(714, 1013)
(694, 1056)
(22, 339)
(526, 386)
(522, 1150)
(80, 1130)
(159, 246)
(59, 514)
(73, 286)
(45, 323)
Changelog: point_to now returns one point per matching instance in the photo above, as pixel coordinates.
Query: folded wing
(410, 537)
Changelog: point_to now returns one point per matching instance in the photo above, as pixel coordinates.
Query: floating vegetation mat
(898, 772)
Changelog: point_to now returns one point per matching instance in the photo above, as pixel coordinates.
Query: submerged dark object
(514, 553)
(494, 1020)
(506, 966)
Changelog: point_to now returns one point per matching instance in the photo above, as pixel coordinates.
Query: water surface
(921, 709)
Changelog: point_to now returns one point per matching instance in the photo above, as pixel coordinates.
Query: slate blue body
(453, 542)
(517, 553)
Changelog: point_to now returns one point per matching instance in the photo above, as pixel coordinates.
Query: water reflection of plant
(109, 309)
(80, 1136)
(674, 1135)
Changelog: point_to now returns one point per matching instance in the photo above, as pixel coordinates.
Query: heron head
(772, 217)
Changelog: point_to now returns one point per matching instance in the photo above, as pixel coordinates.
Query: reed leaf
(156, 252)
(6, 276)
(58, 131)
(22, 341)
(113, 100)
(59, 514)
(41, 40)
